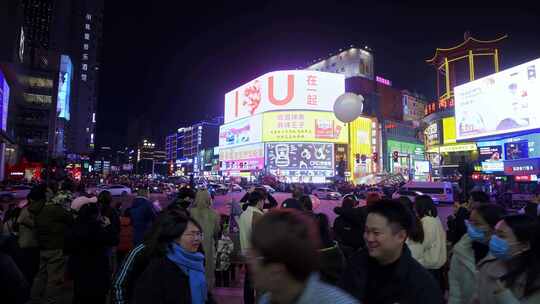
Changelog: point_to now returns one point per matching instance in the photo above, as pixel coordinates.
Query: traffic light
(357, 158)
(395, 156)
(375, 157)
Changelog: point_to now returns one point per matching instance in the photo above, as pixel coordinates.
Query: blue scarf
(193, 266)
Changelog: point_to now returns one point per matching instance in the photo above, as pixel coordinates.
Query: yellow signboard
(453, 148)
(304, 126)
(449, 130)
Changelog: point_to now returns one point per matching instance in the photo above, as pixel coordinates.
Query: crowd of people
(383, 251)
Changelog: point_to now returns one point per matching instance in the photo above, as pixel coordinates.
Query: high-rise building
(183, 148)
(44, 76)
(87, 57)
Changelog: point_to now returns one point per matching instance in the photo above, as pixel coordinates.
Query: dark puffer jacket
(51, 222)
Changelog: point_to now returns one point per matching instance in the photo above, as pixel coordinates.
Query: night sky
(168, 66)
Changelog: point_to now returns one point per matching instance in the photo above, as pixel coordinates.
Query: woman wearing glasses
(178, 276)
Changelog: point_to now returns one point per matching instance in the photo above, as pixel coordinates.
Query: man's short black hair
(395, 213)
(38, 193)
(480, 197)
(254, 198)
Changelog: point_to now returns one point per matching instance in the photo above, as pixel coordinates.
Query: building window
(83, 77)
(85, 56)
(88, 17)
(87, 26)
(86, 36)
(85, 67)
(85, 46)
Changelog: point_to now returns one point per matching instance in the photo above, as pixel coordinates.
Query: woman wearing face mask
(176, 274)
(511, 273)
(470, 250)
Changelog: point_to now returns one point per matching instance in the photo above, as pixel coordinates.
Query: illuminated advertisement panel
(449, 130)
(241, 132)
(504, 102)
(247, 157)
(431, 134)
(64, 87)
(300, 162)
(284, 90)
(4, 101)
(303, 126)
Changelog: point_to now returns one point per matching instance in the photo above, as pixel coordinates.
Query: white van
(440, 192)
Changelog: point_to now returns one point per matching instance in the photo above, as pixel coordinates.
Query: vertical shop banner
(4, 101)
(241, 132)
(303, 126)
(431, 134)
(284, 90)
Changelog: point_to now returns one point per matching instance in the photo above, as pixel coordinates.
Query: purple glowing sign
(387, 82)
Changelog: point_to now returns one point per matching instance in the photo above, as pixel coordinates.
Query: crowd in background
(376, 251)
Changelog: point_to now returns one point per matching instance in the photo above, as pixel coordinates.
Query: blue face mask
(474, 233)
(499, 248)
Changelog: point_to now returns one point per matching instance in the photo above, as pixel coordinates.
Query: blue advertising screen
(4, 101)
(64, 87)
(516, 150)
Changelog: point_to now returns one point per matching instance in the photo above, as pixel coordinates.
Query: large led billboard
(504, 102)
(300, 156)
(4, 101)
(284, 90)
(303, 126)
(64, 87)
(241, 132)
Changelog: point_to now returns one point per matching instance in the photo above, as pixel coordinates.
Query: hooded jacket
(142, 215)
(349, 227)
(209, 220)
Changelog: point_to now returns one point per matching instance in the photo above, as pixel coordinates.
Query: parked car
(410, 194)
(14, 192)
(326, 193)
(115, 190)
(236, 188)
(220, 189)
(439, 191)
(269, 189)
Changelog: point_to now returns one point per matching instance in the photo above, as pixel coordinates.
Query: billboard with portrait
(4, 101)
(504, 102)
(241, 132)
(303, 126)
(284, 90)
(490, 153)
(64, 87)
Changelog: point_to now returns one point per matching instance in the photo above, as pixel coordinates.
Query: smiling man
(386, 272)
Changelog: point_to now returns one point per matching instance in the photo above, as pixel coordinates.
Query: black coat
(349, 227)
(13, 286)
(456, 225)
(88, 244)
(407, 283)
(163, 282)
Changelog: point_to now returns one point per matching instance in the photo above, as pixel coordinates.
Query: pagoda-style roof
(470, 43)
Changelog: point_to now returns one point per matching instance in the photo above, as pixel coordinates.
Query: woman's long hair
(417, 231)
(527, 230)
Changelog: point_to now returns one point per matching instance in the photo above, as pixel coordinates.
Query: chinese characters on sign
(312, 90)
